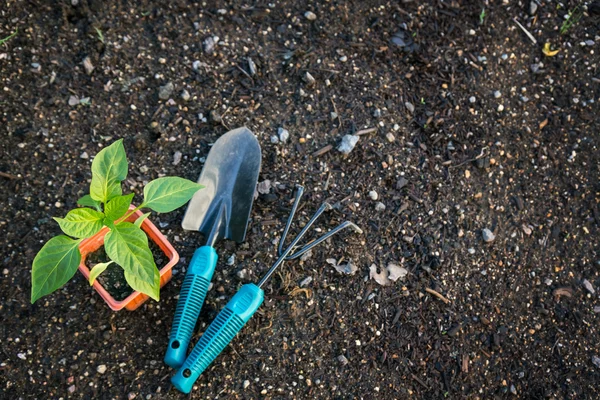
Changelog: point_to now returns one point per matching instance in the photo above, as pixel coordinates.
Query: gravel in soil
(508, 317)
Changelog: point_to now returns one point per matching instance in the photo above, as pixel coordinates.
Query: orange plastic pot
(135, 299)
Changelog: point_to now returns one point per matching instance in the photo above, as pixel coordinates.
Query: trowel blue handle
(191, 298)
(218, 335)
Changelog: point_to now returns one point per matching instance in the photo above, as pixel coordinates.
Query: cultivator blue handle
(218, 335)
(191, 298)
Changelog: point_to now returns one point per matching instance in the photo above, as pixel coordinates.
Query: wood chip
(563, 291)
(365, 131)
(438, 295)
(465, 364)
(323, 150)
(8, 176)
(543, 124)
(529, 35)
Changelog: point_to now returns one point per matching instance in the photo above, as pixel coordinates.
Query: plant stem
(131, 213)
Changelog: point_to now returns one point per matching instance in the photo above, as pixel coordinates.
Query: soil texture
(472, 167)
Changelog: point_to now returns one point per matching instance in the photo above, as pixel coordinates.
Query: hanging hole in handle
(175, 344)
(187, 373)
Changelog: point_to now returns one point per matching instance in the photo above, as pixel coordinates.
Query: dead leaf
(379, 277)
(348, 269)
(396, 272)
(550, 53)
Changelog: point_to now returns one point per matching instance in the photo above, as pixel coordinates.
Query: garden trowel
(220, 211)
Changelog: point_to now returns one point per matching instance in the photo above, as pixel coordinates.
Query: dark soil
(113, 278)
(523, 163)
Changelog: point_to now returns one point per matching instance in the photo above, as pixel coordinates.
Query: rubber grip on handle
(191, 298)
(218, 335)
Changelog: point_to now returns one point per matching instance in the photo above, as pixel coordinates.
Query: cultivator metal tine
(316, 242)
(299, 193)
(285, 255)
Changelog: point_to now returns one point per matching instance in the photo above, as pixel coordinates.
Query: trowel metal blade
(229, 177)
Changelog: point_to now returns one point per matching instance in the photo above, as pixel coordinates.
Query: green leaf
(81, 222)
(87, 201)
(54, 265)
(109, 168)
(127, 245)
(117, 207)
(166, 194)
(97, 270)
(141, 218)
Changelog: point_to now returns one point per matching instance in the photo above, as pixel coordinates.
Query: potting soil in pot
(113, 278)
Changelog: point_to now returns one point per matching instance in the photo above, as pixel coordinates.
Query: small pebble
(379, 207)
(274, 139)
(209, 44)
(500, 107)
(588, 286)
(88, 66)
(390, 137)
(84, 155)
(402, 181)
(5, 271)
(497, 94)
(410, 107)
(342, 359)
(101, 369)
(22, 356)
(348, 143)
(306, 281)
(264, 187)
(471, 250)
(472, 99)
(596, 361)
(215, 117)
(532, 7)
(231, 260)
(242, 274)
(377, 113)
(488, 236)
(309, 15)
(164, 92)
(131, 396)
(246, 384)
(72, 389)
(73, 101)
(196, 65)
(373, 195)
(177, 158)
(343, 58)
(309, 79)
(251, 66)
(185, 95)
(283, 134)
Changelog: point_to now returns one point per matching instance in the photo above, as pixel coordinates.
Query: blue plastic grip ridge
(191, 298)
(218, 335)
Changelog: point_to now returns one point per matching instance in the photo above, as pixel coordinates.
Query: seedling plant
(126, 244)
